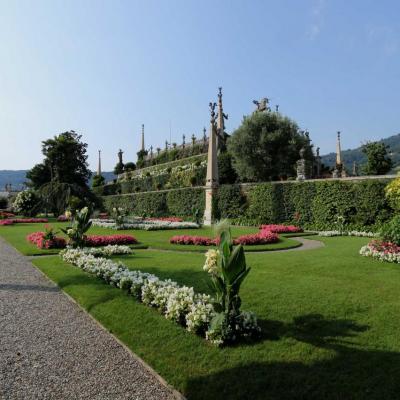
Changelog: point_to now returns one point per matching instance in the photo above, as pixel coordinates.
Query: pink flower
(281, 228)
(97, 240)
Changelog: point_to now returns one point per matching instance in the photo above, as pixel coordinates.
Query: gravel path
(306, 244)
(51, 349)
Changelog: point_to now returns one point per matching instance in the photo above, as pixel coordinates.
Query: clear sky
(102, 68)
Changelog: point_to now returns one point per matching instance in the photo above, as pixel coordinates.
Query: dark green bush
(182, 202)
(3, 202)
(230, 202)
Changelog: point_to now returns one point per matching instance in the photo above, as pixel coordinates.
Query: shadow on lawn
(350, 373)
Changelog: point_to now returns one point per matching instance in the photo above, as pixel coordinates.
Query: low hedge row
(311, 204)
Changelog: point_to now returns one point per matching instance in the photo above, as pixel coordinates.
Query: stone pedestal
(210, 192)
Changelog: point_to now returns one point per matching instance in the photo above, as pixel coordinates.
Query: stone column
(142, 144)
(99, 165)
(212, 169)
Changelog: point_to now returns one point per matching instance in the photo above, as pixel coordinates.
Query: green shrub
(391, 230)
(3, 202)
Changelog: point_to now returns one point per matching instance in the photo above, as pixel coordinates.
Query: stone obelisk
(99, 165)
(212, 169)
(142, 144)
(339, 171)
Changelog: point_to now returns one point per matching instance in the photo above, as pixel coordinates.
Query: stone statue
(166, 145)
(183, 141)
(301, 166)
(262, 104)
(120, 156)
(193, 139)
(277, 108)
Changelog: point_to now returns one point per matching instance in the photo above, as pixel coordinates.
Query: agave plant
(227, 268)
(80, 225)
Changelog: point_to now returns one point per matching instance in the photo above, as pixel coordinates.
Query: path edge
(177, 395)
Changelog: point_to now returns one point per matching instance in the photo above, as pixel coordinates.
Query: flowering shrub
(97, 240)
(383, 251)
(39, 239)
(281, 228)
(80, 225)
(262, 237)
(179, 304)
(25, 202)
(107, 251)
(347, 233)
(227, 270)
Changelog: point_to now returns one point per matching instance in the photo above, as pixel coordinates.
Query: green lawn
(330, 320)
(16, 235)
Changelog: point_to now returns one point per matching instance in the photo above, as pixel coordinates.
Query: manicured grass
(16, 235)
(329, 318)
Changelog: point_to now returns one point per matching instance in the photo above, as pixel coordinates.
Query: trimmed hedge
(311, 204)
(178, 202)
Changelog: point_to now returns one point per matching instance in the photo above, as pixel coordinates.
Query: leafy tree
(64, 172)
(39, 175)
(65, 161)
(266, 147)
(378, 161)
(98, 180)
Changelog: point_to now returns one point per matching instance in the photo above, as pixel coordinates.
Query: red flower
(97, 240)
(281, 228)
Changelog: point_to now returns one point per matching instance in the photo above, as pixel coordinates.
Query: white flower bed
(347, 233)
(369, 251)
(107, 251)
(179, 304)
(144, 225)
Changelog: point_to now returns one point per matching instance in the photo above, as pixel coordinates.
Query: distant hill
(18, 177)
(349, 156)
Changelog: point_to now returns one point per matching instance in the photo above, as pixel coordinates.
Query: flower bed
(23, 221)
(382, 251)
(38, 239)
(6, 222)
(5, 214)
(194, 240)
(147, 225)
(177, 303)
(281, 228)
(167, 219)
(262, 237)
(63, 218)
(347, 233)
(97, 240)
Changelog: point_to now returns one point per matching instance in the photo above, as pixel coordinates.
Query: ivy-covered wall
(312, 204)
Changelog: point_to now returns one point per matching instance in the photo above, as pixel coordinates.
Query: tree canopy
(378, 160)
(266, 147)
(65, 162)
(63, 173)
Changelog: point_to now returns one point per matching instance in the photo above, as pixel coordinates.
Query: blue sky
(102, 68)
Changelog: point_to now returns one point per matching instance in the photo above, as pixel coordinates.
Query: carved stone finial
(166, 145)
(193, 139)
(277, 108)
(212, 111)
(120, 153)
